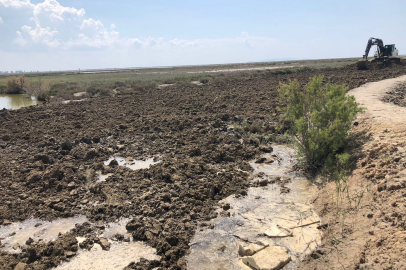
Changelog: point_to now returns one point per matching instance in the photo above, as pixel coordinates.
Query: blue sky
(72, 34)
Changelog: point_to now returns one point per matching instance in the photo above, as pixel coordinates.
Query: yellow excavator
(384, 53)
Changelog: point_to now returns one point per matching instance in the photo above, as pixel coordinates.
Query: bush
(320, 117)
(15, 85)
(38, 89)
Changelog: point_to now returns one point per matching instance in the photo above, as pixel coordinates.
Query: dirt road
(383, 114)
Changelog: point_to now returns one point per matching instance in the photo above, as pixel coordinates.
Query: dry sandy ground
(366, 229)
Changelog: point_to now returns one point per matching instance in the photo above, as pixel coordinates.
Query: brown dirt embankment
(204, 134)
(369, 229)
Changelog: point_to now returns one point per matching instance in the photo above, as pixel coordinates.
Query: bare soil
(205, 136)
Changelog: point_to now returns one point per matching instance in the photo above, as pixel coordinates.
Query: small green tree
(320, 117)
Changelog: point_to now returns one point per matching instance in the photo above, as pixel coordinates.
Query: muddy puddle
(132, 163)
(12, 102)
(119, 255)
(270, 216)
(126, 162)
(16, 234)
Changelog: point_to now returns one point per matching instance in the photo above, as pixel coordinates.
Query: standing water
(274, 226)
(12, 102)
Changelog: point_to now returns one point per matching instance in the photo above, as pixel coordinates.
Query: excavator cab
(390, 50)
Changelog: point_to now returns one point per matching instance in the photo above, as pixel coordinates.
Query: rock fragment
(270, 258)
(104, 243)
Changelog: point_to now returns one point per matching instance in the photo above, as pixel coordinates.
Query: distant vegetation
(104, 82)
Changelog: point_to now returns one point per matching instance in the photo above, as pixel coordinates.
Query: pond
(12, 102)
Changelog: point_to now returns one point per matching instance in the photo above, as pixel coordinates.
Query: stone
(270, 258)
(104, 243)
(243, 265)
(249, 250)
(69, 254)
(6, 222)
(16, 246)
(20, 266)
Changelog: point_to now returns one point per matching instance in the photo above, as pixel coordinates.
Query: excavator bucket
(362, 64)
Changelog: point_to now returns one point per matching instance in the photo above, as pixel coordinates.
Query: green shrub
(320, 117)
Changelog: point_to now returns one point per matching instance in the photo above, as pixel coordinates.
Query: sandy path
(384, 115)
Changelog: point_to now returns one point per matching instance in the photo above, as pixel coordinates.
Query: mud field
(199, 140)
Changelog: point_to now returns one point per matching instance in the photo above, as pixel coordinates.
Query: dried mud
(204, 135)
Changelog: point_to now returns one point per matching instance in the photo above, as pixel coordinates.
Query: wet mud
(275, 212)
(205, 136)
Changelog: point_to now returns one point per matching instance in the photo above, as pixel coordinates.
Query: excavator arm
(373, 41)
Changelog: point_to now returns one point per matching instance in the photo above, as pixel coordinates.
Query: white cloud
(90, 23)
(1, 20)
(53, 7)
(49, 24)
(16, 3)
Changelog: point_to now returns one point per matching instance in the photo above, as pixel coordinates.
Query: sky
(91, 34)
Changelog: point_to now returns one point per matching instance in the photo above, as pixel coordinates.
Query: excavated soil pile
(397, 95)
(204, 136)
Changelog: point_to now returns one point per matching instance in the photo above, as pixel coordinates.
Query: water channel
(271, 217)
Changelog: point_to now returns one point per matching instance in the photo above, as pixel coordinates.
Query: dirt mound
(204, 135)
(397, 95)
